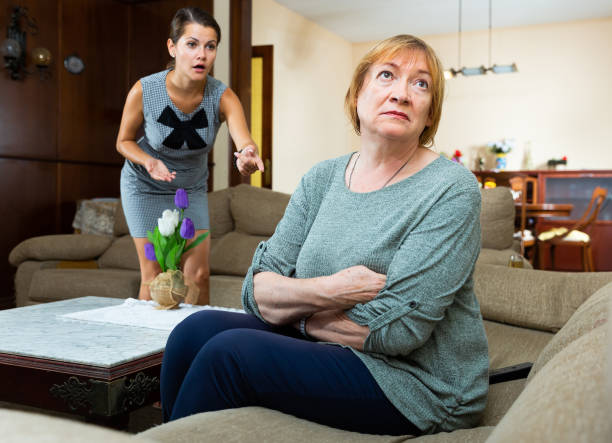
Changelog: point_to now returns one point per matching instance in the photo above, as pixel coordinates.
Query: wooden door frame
(266, 52)
(240, 72)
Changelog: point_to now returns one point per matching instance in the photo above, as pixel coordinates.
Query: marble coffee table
(101, 371)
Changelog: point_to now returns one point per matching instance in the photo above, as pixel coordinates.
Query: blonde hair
(384, 51)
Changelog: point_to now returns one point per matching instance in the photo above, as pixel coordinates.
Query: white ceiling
(367, 20)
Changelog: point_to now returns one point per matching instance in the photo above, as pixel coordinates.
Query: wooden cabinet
(574, 187)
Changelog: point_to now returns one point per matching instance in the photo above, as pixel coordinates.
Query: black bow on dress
(184, 131)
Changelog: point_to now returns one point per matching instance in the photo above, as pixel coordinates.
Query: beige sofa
(57, 267)
(559, 319)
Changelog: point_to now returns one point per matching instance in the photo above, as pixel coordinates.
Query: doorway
(262, 62)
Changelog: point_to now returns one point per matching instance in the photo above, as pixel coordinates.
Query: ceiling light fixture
(478, 70)
(497, 69)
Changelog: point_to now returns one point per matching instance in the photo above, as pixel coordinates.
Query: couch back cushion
(221, 221)
(566, 401)
(95, 216)
(592, 314)
(497, 218)
(120, 255)
(120, 227)
(233, 253)
(535, 299)
(257, 211)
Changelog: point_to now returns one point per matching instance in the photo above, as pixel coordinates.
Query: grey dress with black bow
(182, 141)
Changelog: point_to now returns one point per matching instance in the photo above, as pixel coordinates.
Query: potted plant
(166, 246)
(501, 148)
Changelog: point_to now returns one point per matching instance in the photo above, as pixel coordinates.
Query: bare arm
(284, 300)
(231, 110)
(131, 121)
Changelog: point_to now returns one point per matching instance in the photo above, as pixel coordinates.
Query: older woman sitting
(362, 313)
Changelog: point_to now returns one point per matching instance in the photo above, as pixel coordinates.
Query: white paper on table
(142, 313)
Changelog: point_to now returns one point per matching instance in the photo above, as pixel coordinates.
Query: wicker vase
(169, 289)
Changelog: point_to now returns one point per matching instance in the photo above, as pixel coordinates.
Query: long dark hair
(185, 16)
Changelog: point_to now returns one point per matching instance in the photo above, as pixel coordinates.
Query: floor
(140, 420)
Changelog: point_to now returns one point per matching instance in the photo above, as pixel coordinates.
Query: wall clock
(74, 64)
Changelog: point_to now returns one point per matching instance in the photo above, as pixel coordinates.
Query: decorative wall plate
(74, 64)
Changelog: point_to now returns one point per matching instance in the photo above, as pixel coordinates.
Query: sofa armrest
(60, 247)
(514, 372)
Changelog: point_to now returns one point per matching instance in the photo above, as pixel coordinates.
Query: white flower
(168, 223)
(173, 215)
(502, 146)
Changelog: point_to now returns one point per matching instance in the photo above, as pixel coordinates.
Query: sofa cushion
(95, 216)
(534, 299)
(120, 227)
(226, 290)
(120, 255)
(593, 313)
(255, 424)
(257, 211)
(500, 399)
(61, 284)
(510, 345)
(221, 221)
(500, 257)
(60, 247)
(20, 426)
(497, 218)
(565, 401)
(23, 280)
(233, 254)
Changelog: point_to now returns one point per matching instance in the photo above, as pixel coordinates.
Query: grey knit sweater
(427, 347)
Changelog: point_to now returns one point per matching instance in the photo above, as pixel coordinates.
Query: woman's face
(195, 51)
(395, 99)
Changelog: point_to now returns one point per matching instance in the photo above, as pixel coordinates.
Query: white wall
(559, 103)
(312, 70)
(220, 153)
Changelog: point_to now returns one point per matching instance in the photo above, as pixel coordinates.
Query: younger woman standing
(181, 109)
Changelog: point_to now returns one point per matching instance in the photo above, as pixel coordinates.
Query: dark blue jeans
(220, 360)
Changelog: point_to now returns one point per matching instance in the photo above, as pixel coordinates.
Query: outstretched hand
(248, 161)
(158, 170)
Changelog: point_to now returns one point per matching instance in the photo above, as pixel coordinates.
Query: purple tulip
(187, 229)
(150, 251)
(180, 199)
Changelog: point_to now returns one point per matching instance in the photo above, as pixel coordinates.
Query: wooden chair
(574, 236)
(520, 184)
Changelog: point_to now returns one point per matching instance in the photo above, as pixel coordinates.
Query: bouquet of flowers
(166, 246)
(502, 146)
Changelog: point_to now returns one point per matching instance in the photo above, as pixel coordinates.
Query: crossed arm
(390, 314)
(284, 300)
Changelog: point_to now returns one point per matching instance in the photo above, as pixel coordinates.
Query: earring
(172, 55)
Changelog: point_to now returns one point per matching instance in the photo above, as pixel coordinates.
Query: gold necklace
(390, 178)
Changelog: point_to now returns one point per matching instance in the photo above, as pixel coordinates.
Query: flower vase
(169, 289)
(500, 161)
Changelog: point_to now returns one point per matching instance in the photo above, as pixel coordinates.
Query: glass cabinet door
(577, 190)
